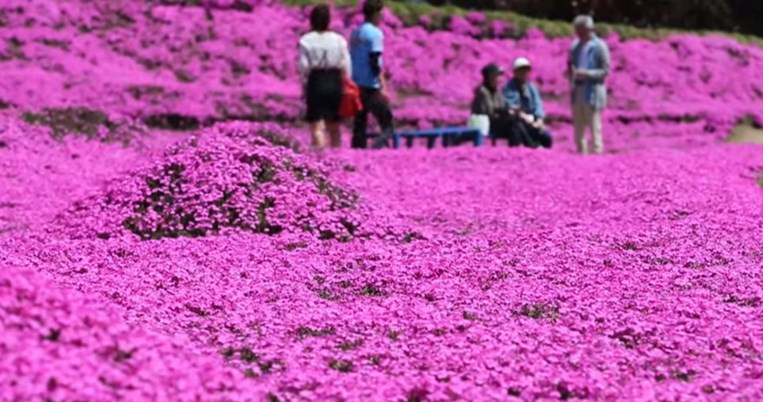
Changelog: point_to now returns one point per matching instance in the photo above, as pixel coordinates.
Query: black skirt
(324, 95)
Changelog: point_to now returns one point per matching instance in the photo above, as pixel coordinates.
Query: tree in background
(729, 15)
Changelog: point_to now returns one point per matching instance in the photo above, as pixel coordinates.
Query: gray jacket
(598, 60)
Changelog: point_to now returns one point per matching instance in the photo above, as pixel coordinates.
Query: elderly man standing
(588, 67)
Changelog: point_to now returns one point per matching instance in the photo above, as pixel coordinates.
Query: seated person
(489, 101)
(524, 101)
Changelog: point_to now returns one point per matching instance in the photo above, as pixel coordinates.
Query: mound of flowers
(235, 176)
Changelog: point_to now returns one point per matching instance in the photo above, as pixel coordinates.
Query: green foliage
(53, 336)
(469, 316)
(121, 355)
(371, 290)
(71, 120)
(184, 76)
(347, 346)
(539, 311)
(684, 376)
(307, 332)
(197, 310)
(294, 246)
(411, 13)
(375, 360)
(173, 121)
(410, 237)
(15, 50)
(342, 366)
(54, 43)
(281, 141)
(248, 356)
(327, 295)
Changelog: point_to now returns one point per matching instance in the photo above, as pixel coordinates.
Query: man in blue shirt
(524, 102)
(366, 47)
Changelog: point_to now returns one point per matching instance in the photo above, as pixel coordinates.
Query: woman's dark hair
(320, 18)
(371, 8)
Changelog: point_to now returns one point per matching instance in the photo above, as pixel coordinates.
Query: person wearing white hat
(520, 63)
(524, 101)
(588, 65)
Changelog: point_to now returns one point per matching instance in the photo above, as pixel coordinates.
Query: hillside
(166, 235)
(182, 67)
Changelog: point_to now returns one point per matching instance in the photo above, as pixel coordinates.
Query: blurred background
(743, 16)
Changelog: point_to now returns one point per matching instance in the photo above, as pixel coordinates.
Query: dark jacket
(488, 102)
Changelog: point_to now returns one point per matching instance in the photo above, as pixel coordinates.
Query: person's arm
(304, 64)
(539, 112)
(511, 93)
(602, 69)
(376, 65)
(383, 85)
(347, 61)
(570, 66)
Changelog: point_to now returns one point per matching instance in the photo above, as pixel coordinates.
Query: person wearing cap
(524, 102)
(487, 98)
(488, 101)
(588, 65)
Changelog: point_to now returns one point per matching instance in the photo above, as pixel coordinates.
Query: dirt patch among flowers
(746, 133)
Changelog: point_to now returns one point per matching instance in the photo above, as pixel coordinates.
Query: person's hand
(529, 119)
(513, 111)
(581, 73)
(539, 124)
(384, 96)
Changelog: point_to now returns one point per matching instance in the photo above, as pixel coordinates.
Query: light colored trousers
(584, 117)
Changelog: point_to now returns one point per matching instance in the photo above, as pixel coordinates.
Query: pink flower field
(165, 235)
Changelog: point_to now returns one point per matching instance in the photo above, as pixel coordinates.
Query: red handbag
(351, 102)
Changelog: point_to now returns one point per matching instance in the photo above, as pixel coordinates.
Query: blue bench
(445, 133)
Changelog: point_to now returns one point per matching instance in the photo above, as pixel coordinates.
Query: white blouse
(322, 50)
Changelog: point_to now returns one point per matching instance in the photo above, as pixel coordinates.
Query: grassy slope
(410, 14)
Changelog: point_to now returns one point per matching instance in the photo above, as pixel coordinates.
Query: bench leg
(396, 141)
(431, 142)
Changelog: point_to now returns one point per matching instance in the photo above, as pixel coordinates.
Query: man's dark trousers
(373, 103)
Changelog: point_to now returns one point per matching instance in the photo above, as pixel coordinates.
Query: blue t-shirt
(365, 40)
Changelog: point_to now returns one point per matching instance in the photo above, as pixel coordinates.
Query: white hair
(583, 21)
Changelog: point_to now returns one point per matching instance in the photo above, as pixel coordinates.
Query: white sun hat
(521, 62)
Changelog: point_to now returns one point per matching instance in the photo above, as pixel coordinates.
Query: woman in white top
(323, 61)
